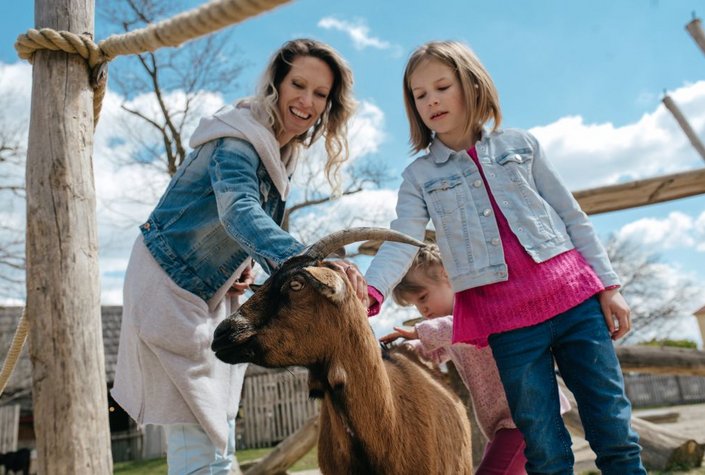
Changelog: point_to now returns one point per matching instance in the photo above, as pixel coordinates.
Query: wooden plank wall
(645, 390)
(9, 427)
(274, 405)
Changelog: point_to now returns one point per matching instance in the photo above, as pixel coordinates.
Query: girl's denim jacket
(219, 208)
(445, 186)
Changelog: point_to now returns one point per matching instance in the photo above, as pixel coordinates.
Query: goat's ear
(327, 282)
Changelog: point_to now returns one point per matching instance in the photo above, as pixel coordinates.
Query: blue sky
(586, 76)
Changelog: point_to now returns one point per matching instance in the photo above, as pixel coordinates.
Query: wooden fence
(9, 427)
(646, 390)
(274, 405)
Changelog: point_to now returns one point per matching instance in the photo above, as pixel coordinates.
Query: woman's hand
(242, 283)
(615, 308)
(400, 333)
(356, 279)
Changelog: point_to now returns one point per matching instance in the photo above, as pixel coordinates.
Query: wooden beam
(661, 360)
(696, 31)
(618, 197)
(684, 125)
(642, 192)
(63, 281)
(287, 452)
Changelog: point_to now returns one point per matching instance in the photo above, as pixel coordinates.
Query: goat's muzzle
(234, 341)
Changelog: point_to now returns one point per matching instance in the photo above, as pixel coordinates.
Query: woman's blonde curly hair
(333, 122)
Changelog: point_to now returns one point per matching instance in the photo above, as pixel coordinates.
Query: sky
(586, 77)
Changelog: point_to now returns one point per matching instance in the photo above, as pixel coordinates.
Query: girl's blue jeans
(579, 342)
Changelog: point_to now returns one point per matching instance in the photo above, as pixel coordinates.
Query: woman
(221, 210)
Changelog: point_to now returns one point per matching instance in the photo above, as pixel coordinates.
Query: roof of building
(20, 382)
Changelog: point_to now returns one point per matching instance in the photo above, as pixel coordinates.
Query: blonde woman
(221, 210)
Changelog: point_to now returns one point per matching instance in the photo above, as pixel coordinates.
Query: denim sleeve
(393, 259)
(233, 174)
(580, 230)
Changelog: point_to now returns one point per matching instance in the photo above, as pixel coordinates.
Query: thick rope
(186, 26)
(15, 349)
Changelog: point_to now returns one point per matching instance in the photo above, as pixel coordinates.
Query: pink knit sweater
(533, 293)
(477, 369)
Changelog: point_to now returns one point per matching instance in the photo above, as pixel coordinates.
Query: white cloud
(358, 32)
(676, 230)
(589, 155)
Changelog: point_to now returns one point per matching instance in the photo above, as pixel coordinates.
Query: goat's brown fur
(380, 413)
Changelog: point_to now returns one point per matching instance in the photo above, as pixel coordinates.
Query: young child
(426, 286)
(530, 276)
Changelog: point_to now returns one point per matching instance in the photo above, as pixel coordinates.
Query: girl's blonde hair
(333, 123)
(428, 260)
(478, 89)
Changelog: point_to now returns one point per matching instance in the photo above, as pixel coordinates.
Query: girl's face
(435, 299)
(440, 102)
(303, 96)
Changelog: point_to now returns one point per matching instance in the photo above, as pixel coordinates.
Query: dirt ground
(690, 423)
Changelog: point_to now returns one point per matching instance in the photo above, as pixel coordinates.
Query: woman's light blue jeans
(580, 344)
(191, 452)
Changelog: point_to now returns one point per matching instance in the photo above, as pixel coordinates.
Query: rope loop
(34, 40)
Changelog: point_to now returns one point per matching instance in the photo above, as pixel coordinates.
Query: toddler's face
(435, 299)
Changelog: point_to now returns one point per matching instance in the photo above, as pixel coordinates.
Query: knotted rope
(15, 349)
(174, 31)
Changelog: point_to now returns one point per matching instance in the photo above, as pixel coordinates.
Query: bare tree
(206, 64)
(359, 177)
(657, 294)
(12, 194)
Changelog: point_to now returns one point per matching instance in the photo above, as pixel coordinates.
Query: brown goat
(382, 412)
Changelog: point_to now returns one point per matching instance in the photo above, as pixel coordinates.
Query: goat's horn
(327, 244)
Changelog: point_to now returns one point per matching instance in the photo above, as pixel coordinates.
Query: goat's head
(291, 318)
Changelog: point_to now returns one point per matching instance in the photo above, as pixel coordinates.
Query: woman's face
(438, 97)
(303, 96)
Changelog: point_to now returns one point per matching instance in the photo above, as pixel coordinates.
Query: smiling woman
(221, 210)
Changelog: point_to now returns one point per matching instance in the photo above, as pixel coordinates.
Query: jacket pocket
(516, 163)
(448, 204)
(446, 194)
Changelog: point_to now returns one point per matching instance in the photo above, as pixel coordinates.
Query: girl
(222, 209)
(530, 276)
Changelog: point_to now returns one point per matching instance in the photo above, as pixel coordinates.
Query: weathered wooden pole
(700, 316)
(696, 31)
(63, 287)
(683, 122)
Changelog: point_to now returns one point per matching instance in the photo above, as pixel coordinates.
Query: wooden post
(63, 290)
(696, 31)
(700, 316)
(683, 122)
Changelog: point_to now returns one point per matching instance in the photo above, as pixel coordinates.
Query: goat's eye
(296, 285)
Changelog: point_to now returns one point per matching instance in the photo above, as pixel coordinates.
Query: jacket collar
(440, 153)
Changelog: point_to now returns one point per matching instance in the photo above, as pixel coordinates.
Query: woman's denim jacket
(446, 187)
(219, 208)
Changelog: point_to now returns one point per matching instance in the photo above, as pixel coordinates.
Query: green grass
(158, 466)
